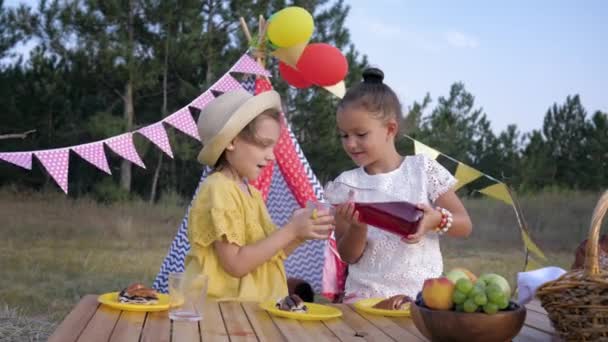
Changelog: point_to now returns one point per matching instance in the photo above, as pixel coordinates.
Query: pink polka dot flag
(158, 136)
(123, 146)
(202, 100)
(182, 120)
(226, 83)
(248, 65)
(56, 163)
(21, 159)
(94, 154)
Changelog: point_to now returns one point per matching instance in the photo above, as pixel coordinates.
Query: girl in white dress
(381, 264)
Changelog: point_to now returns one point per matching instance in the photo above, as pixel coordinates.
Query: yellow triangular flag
(532, 265)
(420, 148)
(531, 246)
(338, 89)
(465, 174)
(290, 55)
(498, 191)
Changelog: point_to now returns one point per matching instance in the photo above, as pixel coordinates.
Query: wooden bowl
(438, 325)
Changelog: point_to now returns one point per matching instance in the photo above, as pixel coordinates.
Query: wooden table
(232, 321)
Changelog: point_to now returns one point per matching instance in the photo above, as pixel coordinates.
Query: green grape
(481, 299)
(464, 285)
(504, 303)
(469, 306)
(490, 308)
(475, 292)
(495, 294)
(459, 297)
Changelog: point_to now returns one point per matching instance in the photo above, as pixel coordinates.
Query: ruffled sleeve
(216, 214)
(439, 180)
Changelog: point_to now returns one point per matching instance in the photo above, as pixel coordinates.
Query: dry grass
(53, 250)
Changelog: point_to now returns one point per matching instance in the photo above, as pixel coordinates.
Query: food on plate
(397, 302)
(138, 294)
(292, 303)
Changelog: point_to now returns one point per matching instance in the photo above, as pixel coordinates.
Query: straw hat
(224, 118)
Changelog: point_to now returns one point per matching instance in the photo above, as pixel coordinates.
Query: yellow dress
(222, 209)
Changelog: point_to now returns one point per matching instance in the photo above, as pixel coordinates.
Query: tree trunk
(164, 114)
(129, 112)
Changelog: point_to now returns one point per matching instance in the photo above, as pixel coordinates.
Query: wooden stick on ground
(17, 135)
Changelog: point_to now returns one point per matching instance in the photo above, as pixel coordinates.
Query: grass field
(54, 249)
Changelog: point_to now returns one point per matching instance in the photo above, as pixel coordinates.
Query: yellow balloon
(290, 26)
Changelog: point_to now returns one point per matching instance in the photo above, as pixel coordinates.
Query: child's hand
(347, 215)
(429, 222)
(307, 227)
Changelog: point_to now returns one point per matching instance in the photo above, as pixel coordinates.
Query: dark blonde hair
(373, 96)
(249, 134)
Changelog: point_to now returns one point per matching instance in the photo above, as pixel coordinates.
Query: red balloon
(323, 64)
(293, 77)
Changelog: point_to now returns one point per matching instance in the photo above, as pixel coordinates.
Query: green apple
(495, 279)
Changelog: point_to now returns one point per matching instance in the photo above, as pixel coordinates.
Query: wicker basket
(577, 302)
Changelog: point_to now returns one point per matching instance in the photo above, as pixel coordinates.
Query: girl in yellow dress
(233, 240)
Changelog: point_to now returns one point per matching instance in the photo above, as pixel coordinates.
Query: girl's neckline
(243, 186)
(401, 165)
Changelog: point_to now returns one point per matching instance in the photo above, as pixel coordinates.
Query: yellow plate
(111, 299)
(365, 305)
(315, 312)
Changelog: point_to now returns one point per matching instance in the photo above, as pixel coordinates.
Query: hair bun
(373, 75)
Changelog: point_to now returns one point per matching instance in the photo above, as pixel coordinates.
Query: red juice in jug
(396, 217)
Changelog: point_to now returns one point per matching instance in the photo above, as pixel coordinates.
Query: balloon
(293, 77)
(322, 64)
(290, 26)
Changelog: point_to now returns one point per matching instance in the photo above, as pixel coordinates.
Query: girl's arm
(238, 261)
(461, 224)
(351, 235)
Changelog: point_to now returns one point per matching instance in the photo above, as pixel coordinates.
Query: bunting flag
(498, 191)
(421, 148)
(531, 265)
(123, 146)
(56, 163)
(183, 121)
(94, 154)
(248, 65)
(492, 187)
(226, 83)
(158, 136)
(21, 159)
(201, 101)
(465, 174)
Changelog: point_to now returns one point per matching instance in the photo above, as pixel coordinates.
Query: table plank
(261, 322)
(528, 333)
(390, 328)
(361, 326)
(342, 330)
(185, 331)
(317, 331)
(101, 325)
(237, 324)
(75, 322)
(291, 329)
(212, 325)
(539, 321)
(408, 324)
(128, 327)
(535, 305)
(157, 327)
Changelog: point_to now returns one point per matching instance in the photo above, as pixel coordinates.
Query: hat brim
(246, 112)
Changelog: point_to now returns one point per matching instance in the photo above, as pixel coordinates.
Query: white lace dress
(389, 266)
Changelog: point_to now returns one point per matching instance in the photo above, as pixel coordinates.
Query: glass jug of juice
(377, 208)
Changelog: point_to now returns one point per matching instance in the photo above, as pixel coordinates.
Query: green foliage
(72, 89)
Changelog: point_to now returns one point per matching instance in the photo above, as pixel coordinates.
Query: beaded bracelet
(446, 221)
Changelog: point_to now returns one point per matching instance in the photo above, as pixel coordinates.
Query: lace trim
(220, 222)
(439, 179)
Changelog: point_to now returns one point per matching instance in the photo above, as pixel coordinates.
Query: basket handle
(592, 267)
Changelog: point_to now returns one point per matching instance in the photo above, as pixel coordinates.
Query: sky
(516, 57)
